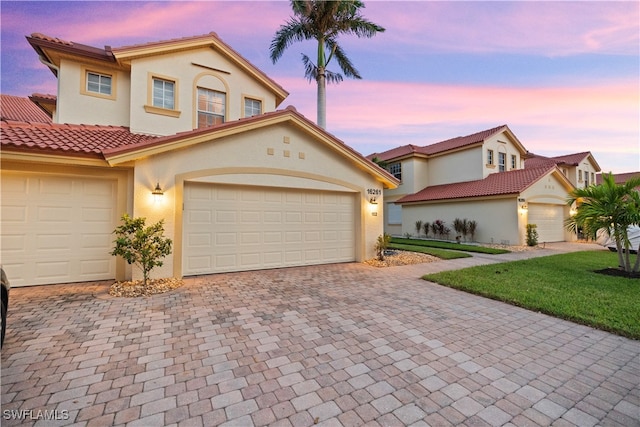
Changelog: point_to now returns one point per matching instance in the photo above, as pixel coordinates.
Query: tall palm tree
(323, 21)
(610, 207)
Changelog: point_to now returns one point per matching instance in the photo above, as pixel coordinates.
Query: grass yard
(440, 253)
(563, 286)
(447, 245)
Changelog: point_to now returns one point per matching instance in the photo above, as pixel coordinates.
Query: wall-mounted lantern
(373, 206)
(157, 193)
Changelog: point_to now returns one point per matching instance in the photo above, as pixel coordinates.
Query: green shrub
(532, 235)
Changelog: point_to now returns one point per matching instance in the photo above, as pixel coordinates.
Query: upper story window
(586, 179)
(163, 93)
(252, 107)
(579, 175)
(514, 161)
(502, 162)
(395, 169)
(489, 157)
(98, 83)
(211, 107)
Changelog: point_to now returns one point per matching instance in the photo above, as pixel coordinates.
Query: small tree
(418, 227)
(382, 244)
(141, 245)
(532, 235)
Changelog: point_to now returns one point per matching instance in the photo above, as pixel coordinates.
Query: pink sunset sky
(563, 75)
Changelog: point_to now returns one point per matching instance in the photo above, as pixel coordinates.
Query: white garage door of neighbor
(57, 229)
(237, 228)
(549, 220)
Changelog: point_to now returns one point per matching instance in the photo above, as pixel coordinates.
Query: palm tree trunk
(322, 99)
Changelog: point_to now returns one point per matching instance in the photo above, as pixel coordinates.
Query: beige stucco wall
(76, 107)
(459, 166)
(498, 219)
(190, 69)
(245, 159)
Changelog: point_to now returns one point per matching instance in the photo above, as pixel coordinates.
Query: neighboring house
(243, 186)
(620, 178)
(480, 177)
(579, 168)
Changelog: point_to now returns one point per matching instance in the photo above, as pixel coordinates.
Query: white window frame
(103, 84)
(252, 107)
(98, 92)
(502, 162)
(395, 169)
(514, 161)
(490, 157)
(165, 96)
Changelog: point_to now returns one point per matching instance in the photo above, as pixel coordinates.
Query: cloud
(376, 116)
(542, 28)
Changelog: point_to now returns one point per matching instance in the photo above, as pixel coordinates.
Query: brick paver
(343, 344)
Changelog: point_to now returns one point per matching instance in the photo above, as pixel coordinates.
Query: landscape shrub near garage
(145, 247)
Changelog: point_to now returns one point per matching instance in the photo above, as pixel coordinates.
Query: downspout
(50, 65)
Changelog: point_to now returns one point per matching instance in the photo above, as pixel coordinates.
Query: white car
(609, 242)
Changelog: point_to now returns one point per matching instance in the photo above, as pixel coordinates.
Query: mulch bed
(135, 288)
(618, 272)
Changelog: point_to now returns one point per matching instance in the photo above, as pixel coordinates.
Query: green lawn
(563, 286)
(440, 253)
(448, 245)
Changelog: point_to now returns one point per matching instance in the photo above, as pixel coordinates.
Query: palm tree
(610, 207)
(323, 21)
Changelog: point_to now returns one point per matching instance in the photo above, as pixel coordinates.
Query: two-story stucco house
(485, 177)
(240, 184)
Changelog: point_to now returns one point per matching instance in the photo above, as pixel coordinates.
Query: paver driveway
(342, 344)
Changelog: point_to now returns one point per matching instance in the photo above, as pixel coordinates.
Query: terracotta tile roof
(21, 109)
(502, 183)
(79, 140)
(41, 42)
(571, 159)
(462, 141)
(620, 178)
(438, 147)
(536, 161)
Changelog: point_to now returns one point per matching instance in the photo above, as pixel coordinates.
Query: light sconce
(573, 212)
(373, 201)
(157, 193)
(524, 207)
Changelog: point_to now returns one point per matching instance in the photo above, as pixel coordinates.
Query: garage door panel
(262, 227)
(549, 221)
(57, 229)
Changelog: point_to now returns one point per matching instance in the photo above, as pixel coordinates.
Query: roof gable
(496, 184)
(150, 147)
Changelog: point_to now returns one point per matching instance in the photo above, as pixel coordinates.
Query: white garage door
(549, 219)
(57, 229)
(236, 228)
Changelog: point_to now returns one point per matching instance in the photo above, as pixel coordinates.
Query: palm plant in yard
(323, 21)
(610, 207)
(418, 227)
